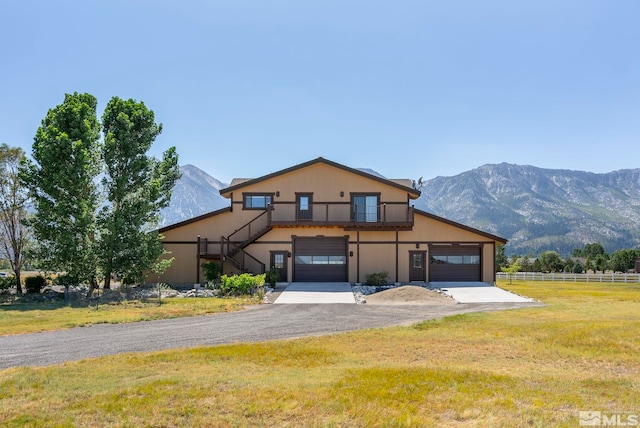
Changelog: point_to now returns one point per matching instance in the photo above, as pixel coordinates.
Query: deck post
(198, 262)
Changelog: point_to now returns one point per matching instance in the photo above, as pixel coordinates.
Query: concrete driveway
(478, 292)
(317, 292)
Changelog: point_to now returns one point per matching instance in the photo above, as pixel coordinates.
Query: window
(364, 208)
(278, 261)
(321, 260)
(455, 260)
(304, 206)
(256, 202)
(304, 203)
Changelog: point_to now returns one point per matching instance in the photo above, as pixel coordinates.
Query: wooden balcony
(346, 216)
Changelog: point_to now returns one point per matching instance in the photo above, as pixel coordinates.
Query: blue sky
(408, 88)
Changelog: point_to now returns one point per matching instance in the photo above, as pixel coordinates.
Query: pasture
(538, 366)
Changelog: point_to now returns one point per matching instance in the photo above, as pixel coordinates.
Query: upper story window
(257, 201)
(364, 208)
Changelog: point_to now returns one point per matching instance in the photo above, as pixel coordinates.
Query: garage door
(454, 263)
(320, 259)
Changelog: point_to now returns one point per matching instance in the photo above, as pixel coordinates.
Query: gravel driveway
(254, 324)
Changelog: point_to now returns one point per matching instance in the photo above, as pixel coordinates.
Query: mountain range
(536, 209)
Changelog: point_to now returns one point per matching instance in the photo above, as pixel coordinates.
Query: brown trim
(272, 195)
(411, 192)
(357, 256)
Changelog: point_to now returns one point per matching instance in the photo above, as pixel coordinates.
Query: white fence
(571, 277)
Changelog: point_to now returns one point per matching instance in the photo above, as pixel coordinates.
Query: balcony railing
(348, 216)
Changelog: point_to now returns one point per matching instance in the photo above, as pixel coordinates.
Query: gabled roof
(404, 184)
(194, 219)
(461, 226)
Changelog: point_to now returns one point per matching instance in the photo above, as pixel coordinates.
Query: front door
(279, 263)
(417, 266)
(304, 207)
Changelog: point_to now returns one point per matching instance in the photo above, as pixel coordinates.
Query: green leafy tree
(549, 261)
(137, 187)
(577, 267)
(511, 270)
(525, 264)
(567, 265)
(61, 180)
(14, 234)
(601, 262)
(623, 260)
(78, 232)
(501, 258)
(589, 265)
(593, 250)
(536, 266)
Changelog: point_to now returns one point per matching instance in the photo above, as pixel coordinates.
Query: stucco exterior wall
(324, 181)
(369, 251)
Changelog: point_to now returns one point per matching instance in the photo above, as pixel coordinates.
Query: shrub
(378, 278)
(6, 282)
(35, 284)
(211, 270)
(272, 277)
(66, 280)
(240, 285)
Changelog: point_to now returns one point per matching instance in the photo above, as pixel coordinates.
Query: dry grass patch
(533, 367)
(18, 318)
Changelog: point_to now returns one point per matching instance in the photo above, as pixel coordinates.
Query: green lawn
(529, 367)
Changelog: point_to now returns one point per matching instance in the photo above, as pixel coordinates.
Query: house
(325, 222)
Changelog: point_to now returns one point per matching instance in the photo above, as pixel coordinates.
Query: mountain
(536, 209)
(195, 193)
(541, 209)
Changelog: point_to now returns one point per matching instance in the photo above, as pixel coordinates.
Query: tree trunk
(18, 282)
(16, 266)
(107, 281)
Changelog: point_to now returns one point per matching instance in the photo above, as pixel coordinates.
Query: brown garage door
(454, 263)
(320, 259)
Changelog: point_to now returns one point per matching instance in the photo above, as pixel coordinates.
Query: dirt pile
(409, 295)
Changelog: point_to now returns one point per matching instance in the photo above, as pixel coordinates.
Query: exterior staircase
(233, 246)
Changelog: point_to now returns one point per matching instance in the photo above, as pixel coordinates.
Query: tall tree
(549, 261)
(624, 260)
(593, 250)
(61, 180)
(137, 187)
(601, 262)
(501, 258)
(13, 211)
